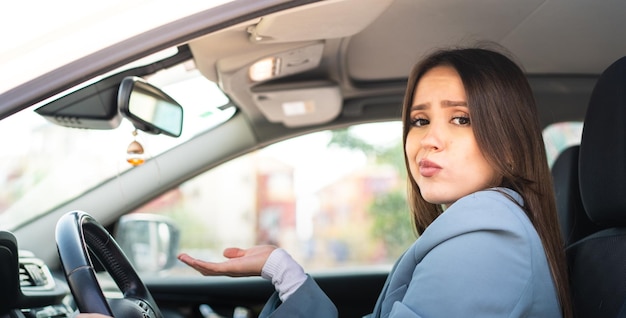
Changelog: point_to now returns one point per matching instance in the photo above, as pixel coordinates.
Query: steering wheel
(76, 234)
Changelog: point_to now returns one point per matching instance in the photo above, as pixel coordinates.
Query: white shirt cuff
(284, 272)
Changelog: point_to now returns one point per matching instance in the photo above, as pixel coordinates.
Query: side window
(559, 136)
(331, 198)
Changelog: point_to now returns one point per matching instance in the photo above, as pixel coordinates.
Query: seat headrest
(573, 219)
(602, 161)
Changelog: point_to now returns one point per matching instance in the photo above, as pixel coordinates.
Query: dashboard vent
(34, 274)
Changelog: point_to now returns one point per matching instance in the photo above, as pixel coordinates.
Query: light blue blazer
(481, 258)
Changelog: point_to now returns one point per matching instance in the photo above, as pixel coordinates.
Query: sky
(312, 150)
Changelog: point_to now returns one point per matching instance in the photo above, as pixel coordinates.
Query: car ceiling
(552, 36)
(547, 37)
(561, 44)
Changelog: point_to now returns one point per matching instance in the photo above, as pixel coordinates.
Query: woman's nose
(433, 138)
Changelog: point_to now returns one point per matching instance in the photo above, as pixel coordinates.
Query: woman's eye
(419, 122)
(461, 121)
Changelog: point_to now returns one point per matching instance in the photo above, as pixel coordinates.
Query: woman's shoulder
(496, 210)
(491, 208)
(490, 221)
(486, 247)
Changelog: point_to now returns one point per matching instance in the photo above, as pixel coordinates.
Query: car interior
(232, 84)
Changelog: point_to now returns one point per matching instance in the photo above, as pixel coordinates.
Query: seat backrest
(573, 219)
(598, 261)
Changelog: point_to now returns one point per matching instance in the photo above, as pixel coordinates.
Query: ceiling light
(264, 69)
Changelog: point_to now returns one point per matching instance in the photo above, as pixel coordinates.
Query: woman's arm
(297, 295)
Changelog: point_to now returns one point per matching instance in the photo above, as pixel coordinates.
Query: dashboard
(27, 287)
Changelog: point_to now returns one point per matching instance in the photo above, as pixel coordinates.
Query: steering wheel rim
(77, 233)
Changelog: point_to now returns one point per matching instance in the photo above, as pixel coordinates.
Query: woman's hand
(248, 262)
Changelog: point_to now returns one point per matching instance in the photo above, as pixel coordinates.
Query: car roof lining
(521, 27)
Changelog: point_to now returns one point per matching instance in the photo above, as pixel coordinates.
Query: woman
(474, 149)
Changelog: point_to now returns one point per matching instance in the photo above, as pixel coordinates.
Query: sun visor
(297, 107)
(320, 20)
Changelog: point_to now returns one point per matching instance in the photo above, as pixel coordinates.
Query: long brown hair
(506, 126)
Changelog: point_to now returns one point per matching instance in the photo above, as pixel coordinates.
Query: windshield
(40, 36)
(45, 165)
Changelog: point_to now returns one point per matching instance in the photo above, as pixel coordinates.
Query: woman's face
(444, 158)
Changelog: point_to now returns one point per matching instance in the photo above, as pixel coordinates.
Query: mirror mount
(149, 108)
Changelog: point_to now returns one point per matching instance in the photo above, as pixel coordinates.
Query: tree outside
(391, 217)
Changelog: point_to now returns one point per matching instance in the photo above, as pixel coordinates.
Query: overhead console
(280, 63)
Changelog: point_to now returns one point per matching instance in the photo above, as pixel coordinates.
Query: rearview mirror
(149, 108)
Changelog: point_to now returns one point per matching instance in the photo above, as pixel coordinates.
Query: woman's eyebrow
(420, 106)
(444, 103)
(452, 103)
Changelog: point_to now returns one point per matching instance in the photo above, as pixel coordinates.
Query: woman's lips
(428, 168)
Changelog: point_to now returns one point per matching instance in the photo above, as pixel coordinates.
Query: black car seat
(598, 261)
(573, 219)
